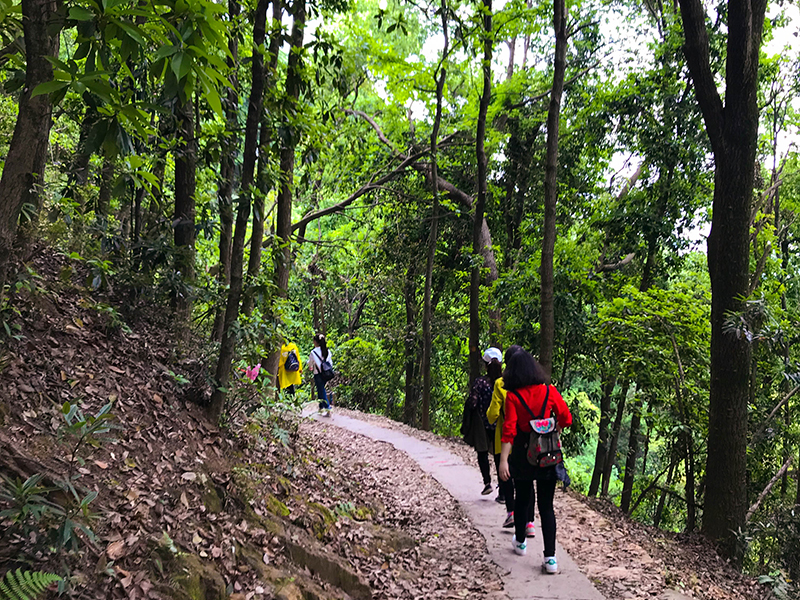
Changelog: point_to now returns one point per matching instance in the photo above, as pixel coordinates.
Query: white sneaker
(550, 565)
(519, 547)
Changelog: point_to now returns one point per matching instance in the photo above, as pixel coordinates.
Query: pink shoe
(530, 530)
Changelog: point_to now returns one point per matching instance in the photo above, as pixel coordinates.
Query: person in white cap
(495, 415)
(475, 428)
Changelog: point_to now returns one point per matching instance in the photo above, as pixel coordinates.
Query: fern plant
(25, 585)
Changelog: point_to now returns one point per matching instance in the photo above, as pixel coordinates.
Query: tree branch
(771, 483)
(381, 136)
(623, 193)
(372, 185)
(546, 94)
(757, 435)
(606, 268)
(696, 50)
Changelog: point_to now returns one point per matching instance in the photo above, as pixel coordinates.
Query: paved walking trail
(522, 575)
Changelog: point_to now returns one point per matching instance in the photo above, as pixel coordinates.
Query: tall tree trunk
(23, 171)
(797, 476)
(480, 201)
(270, 361)
(687, 443)
(659, 514)
(262, 183)
(256, 234)
(228, 344)
(633, 454)
(411, 350)
(518, 175)
(78, 174)
(106, 186)
(691, 509)
(611, 456)
(783, 234)
(733, 131)
(654, 235)
(427, 316)
(184, 216)
(601, 453)
(547, 316)
(293, 82)
(137, 217)
(227, 169)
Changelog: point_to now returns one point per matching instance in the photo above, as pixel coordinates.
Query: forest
(612, 185)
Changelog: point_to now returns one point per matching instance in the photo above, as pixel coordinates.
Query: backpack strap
(528, 408)
(546, 396)
(521, 401)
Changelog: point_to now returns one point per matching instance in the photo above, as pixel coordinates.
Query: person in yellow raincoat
(494, 414)
(288, 379)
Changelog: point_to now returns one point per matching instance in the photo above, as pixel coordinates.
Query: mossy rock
(327, 518)
(276, 507)
(243, 482)
(326, 514)
(362, 513)
(192, 579)
(211, 499)
(285, 484)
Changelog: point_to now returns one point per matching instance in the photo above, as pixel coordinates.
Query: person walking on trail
(495, 415)
(321, 365)
(526, 383)
(478, 432)
(290, 369)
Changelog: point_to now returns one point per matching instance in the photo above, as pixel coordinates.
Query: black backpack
(292, 363)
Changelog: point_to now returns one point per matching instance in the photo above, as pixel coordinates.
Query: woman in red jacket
(526, 381)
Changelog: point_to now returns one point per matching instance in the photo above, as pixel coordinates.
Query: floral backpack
(544, 446)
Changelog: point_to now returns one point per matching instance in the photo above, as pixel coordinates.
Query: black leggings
(483, 458)
(525, 500)
(483, 463)
(507, 489)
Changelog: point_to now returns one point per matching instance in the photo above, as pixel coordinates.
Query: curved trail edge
(522, 576)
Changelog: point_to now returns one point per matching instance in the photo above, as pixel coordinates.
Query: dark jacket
(472, 429)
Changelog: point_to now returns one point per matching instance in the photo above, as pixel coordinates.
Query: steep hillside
(182, 509)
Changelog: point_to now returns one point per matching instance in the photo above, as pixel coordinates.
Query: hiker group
(518, 416)
(320, 363)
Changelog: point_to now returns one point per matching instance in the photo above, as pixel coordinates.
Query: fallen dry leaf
(116, 550)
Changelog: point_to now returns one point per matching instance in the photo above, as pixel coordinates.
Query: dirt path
(622, 559)
(522, 576)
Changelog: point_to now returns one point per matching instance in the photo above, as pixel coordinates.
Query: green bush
(365, 379)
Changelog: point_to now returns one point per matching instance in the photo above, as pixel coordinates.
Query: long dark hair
(522, 370)
(494, 370)
(320, 340)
